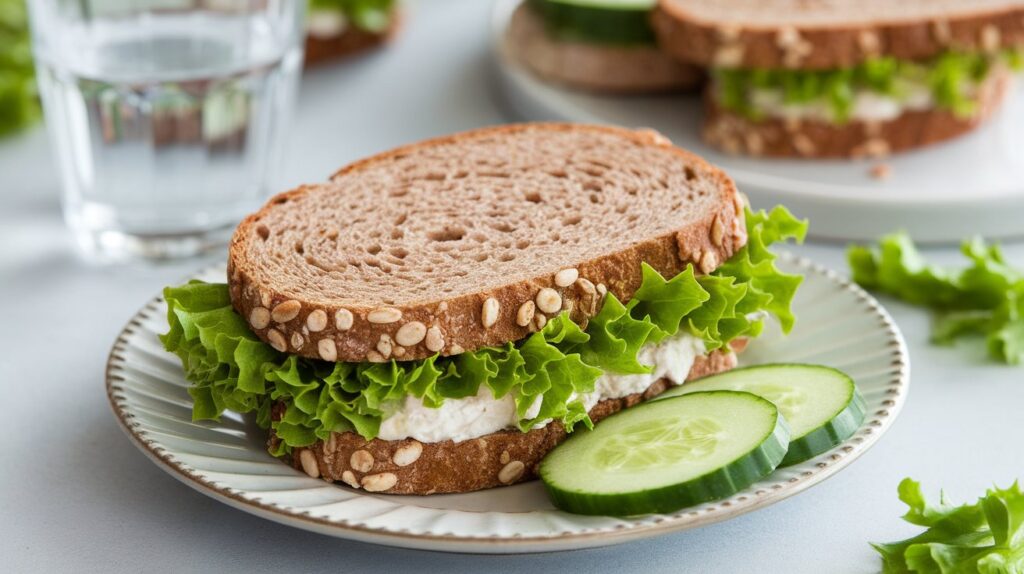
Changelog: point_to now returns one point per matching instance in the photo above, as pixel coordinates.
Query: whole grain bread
(595, 67)
(502, 458)
(835, 34)
(475, 239)
(351, 41)
(735, 134)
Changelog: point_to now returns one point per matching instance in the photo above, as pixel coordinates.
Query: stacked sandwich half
(437, 318)
(797, 78)
(846, 78)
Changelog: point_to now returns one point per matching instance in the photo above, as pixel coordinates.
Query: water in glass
(167, 116)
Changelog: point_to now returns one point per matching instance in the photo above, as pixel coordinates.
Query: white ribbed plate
(838, 325)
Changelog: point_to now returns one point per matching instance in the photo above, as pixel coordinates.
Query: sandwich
(339, 28)
(437, 318)
(595, 45)
(792, 78)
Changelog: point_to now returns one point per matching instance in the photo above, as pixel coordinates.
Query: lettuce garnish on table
(950, 78)
(231, 369)
(19, 102)
(986, 537)
(986, 298)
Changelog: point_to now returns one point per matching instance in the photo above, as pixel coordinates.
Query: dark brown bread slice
(736, 134)
(502, 458)
(351, 41)
(455, 243)
(595, 67)
(835, 34)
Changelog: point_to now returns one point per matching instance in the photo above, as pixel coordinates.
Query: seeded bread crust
(595, 67)
(351, 41)
(498, 459)
(828, 35)
(736, 134)
(700, 210)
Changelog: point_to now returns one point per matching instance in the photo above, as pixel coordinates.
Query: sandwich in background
(844, 79)
(596, 45)
(339, 28)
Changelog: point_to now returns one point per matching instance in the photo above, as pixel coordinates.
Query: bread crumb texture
(440, 246)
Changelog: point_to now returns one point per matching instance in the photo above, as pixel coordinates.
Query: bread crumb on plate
(881, 171)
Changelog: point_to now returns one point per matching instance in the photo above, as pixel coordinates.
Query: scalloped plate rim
(556, 541)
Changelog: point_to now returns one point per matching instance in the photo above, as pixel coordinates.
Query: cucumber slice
(665, 455)
(598, 21)
(821, 405)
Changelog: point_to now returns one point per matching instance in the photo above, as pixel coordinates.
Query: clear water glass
(167, 117)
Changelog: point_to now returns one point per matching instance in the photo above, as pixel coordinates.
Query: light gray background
(76, 496)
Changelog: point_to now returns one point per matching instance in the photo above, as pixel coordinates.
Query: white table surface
(75, 495)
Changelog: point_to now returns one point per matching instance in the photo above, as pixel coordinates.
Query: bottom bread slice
(505, 457)
(776, 137)
(595, 67)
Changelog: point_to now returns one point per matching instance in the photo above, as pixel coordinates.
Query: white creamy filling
(472, 417)
(867, 105)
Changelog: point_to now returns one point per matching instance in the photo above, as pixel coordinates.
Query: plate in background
(968, 186)
(838, 325)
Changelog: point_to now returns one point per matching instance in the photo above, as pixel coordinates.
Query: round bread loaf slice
(475, 239)
(834, 34)
(775, 137)
(498, 459)
(595, 67)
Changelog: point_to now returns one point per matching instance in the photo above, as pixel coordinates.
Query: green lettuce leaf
(769, 289)
(616, 336)
(982, 538)
(951, 78)
(19, 102)
(545, 374)
(668, 303)
(985, 298)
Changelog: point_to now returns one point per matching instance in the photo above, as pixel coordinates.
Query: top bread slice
(475, 239)
(815, 35)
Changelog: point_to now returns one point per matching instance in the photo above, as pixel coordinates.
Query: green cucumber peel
(612, 22)
(822, 405)
(231, 369)
(664, 455)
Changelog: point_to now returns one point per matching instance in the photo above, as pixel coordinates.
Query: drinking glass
(167, 117)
